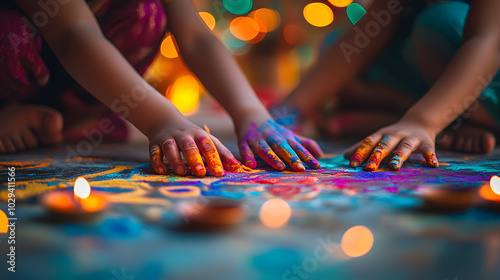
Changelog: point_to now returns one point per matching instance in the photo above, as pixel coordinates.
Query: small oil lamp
(77, 205)
(490, 194)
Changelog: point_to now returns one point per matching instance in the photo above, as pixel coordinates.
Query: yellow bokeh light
(357, 241)
(244, 28)
(275, 213)
(318, 14)
(495, 184)
(4, 222)
(168, 47)
(81, 188)
(185, 94)
(340, 3)
(268, 19)
(208, 19)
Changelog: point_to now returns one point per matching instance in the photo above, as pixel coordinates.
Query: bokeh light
(238, 7)
(81, 188)
(340, 3)
(268, 19)
(295, 34)
(355, 12)
(208, 19)
(231, 41)
(357, 241)
(318, 14)
(4, 222)
(275, 213)
(168, 47)
(184, 94)
(495, 184)
(244, 28)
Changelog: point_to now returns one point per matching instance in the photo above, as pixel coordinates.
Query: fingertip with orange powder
(156, 157)
(361, 152)
(431, 159)
(211, 155)
(377, 156)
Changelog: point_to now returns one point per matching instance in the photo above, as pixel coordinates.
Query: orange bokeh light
(357, 241)
(244, 28)
(295, 34)
(184, 93)
(275, 213)
(268, 19)
(208, 19)
(4, 222)
(168, 47)
(340, 3)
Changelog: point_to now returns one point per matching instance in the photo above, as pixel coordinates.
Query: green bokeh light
(355, 12)
(238, 7)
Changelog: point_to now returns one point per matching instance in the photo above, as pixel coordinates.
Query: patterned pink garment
(29, 71)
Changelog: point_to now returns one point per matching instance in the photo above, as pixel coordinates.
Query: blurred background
(274, 41)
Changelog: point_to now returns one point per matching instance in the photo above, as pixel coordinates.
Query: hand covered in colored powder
(193, 142)
(277, 145)
(402, 138)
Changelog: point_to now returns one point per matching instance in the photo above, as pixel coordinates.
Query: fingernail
(314, 163)
(393, 165)
(180, 170)
(280, 166)
(199, 168)
(161, 170)
(299, 166)
(354, 163)
(370, 166)
(250, 163)
(218, 171)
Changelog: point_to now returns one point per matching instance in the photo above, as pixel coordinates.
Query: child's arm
(75, 37)
(479, 56)
(219, 72)
(349, 55)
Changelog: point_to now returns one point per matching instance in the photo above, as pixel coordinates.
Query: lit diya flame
(275, 213)
(491, 191)
(75, 204)
(495, 184)
(357, 241)
(82, 188)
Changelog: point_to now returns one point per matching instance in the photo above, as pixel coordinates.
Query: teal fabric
(438, 29)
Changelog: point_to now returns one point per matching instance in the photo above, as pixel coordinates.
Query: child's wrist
(427, 122)
(255, 114)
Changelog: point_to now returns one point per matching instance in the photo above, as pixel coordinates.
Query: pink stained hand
(277, 145)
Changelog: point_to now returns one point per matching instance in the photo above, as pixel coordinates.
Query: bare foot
(357, 123)
(467, 139)
(28, 126)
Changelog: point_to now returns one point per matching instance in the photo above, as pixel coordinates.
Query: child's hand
(194, 143)
(403, 138)
(275, 144)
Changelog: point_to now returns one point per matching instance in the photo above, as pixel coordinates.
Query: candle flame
(495, 184)
(82, 188)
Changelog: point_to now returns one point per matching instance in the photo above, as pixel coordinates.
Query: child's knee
(446, 20)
